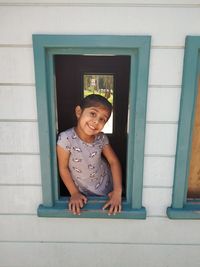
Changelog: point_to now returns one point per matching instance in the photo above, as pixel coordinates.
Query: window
(70, 71)
(48, 51)
(186, 191)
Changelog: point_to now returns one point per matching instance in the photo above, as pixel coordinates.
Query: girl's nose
(95, 120)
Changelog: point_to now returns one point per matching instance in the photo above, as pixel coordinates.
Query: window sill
(188, 212)
(91, 210)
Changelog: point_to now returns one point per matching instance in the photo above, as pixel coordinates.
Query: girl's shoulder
(69, 133)
(102, 137)
(65, 139)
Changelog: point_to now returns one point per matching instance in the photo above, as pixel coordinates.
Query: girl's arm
(115, 196)
(77, 200)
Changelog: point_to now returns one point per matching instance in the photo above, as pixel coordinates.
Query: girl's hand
(114, 203)
(77, 201)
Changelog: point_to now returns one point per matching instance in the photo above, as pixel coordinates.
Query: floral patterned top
(89, 171)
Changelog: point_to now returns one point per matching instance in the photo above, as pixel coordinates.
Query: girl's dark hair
(94, 100)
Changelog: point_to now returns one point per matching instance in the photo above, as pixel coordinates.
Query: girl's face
(91, 120)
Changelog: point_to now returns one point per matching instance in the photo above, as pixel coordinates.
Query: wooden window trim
(45, 47)
(181, 207)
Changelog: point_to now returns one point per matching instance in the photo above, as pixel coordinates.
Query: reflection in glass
(194, 171)
(102, 84)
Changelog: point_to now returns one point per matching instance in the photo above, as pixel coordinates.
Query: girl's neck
(83, 136)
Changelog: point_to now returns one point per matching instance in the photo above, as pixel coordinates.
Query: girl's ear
(78, 111)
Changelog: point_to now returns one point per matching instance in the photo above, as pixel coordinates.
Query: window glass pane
(194, 171)
(102, 84)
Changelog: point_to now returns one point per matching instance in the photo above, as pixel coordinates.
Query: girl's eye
(93, 114)
(102, 120)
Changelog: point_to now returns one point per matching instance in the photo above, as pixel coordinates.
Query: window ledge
(59, 210)
(189, 211)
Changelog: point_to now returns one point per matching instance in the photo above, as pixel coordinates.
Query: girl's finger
(73, 209)
(81, 203)
(78, 209)
(106, 205)
(84, 199)
(111, 210)
(120, 207)
(115, 210)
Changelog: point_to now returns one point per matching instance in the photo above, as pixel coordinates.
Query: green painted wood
(45, 47)
(60, 211)
(186, 121)
(131, 147)
(43, 122)
(90, 51)
(52, 123)
(90, 41)
(185, 213)
(140, 123)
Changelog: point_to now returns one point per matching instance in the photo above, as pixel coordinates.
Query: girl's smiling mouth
(91, 127)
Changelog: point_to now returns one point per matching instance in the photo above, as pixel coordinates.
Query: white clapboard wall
(29, 241)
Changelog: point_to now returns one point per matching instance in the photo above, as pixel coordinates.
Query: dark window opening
(113, 75)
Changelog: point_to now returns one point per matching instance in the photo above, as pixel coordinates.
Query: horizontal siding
(79, 2)
(160, 138)
(20, 169)
(19, 137)
(17, 103)
(158, 171)
(156, 200)
(20, 199)
(24, 228)
(24, 199)
(159, 101)
(18, 66)
(168, 26)
(72, 254)
(166, 66)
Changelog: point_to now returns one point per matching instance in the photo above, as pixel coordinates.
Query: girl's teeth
(92, 127)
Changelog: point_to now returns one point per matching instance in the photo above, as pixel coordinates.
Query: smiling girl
(82, 168)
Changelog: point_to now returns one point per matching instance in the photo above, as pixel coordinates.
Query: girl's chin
(91, 132)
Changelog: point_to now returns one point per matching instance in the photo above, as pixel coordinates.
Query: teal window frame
(181, 207)
(45, 48)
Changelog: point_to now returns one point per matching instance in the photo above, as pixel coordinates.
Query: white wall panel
(161, 139)
(16, 65)
(156, 200)
(168, 26)
(20, 169)
(158, 171)
(149, 231)
(81, 2)
(17, 102)
(163, 104)
(19, 137)
(166, 66)
(20, 199)
(25, 199)
(72, 254)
